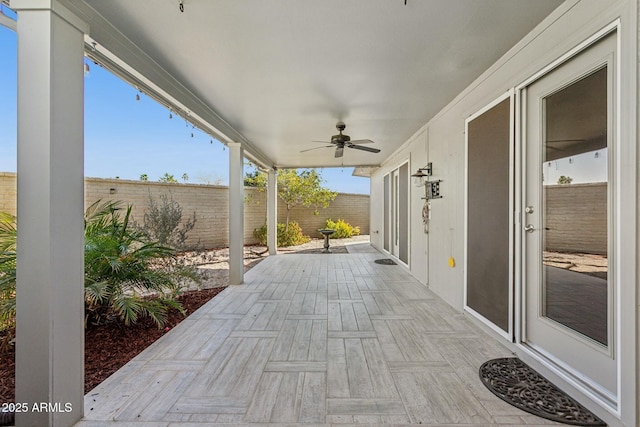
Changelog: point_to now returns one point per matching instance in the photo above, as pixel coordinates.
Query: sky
(582, 168)
(126, 138)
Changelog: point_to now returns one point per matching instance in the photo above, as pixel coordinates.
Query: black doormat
(7, 418)
(385, 261)
(516, 383)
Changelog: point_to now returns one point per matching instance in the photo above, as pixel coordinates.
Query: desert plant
(123, 269)
(290, 236)
(163, 223)
(126, 276)
(343, 229)
(7, 279)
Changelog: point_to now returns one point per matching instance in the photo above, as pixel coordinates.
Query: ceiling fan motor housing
(340, 139)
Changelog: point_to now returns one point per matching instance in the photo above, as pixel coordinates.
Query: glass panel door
(569, 123)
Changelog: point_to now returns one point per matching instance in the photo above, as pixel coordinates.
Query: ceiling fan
(341, 141)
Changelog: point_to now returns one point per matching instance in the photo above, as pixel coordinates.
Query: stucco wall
(210, 203)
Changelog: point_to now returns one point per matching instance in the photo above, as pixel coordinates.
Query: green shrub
(126, 276)
(123, 269)
(286, 237)
(7, 279)
(163, 223)
(343, 229)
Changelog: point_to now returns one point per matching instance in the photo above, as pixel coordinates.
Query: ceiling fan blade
(361, 141)
(369, 149)
(322, 142)
(339, 151)
(315, 148)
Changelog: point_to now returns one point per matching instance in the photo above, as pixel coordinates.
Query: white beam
(5, 21)
(124, 58)
(236, 213)
(272, 212)
(50, 270)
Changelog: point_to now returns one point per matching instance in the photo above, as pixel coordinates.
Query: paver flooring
(312, 340)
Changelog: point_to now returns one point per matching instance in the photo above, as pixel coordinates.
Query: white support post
(236, 213)
(272, 212)
(50, 257)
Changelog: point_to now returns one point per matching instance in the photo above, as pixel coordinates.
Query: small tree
(185, 177)
(167, 178)
(256, 179)
(564, 180)
(296, 188)
(163, 223)
(144, 177)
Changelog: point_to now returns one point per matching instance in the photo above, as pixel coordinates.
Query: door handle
(529, 228)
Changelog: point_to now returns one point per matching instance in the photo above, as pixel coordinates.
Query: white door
(568, 213)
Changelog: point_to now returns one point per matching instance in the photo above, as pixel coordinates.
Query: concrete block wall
(210, 204)
(8, 192)
(577, 218)
(352, 208)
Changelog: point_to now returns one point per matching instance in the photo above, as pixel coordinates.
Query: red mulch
(109, 347)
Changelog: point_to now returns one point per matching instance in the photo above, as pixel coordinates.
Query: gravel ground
(214, 263)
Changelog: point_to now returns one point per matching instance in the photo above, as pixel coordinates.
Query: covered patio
(337, 339)
(314, 339)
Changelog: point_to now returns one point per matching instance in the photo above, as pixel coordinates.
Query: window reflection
(575, 189)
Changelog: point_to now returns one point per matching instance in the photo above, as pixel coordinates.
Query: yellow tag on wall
(452, 262)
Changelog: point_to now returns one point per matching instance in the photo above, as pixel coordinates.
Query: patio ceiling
(280, 74)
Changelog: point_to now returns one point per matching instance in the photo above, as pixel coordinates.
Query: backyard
(110, 346)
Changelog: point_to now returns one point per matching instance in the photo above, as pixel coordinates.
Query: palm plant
(126, 276)
(122, 268)
(7, 278)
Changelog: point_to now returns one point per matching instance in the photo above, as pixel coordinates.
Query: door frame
(624, 189)
(394, 228)
(510, 94)
(395, 210)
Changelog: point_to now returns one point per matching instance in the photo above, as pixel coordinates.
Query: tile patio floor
(313, 340)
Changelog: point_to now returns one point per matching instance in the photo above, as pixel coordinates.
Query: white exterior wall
(416, 154)
(445, 133)
(418, 239)
(442, 141)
